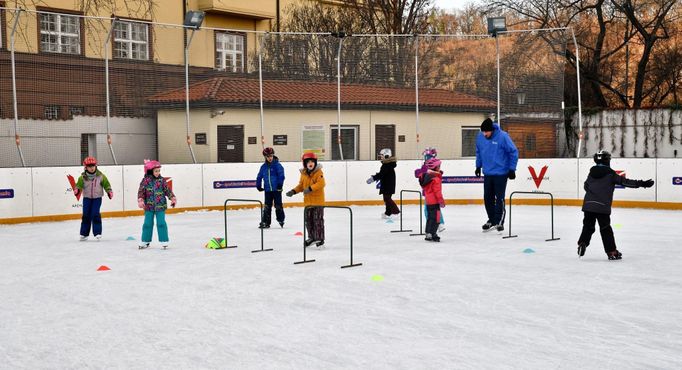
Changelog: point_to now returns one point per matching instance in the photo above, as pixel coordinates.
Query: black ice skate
(499, 228)
(488, 226)
(615, 255)
(308, 242)
(319, 243)
(263, 225)
(581, 249)
(435, 238)
(281, 224)
(428, 237)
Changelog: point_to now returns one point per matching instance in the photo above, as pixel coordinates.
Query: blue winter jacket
(271, 175)
(497, 155)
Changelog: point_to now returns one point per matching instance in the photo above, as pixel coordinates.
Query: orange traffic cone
(103, 268)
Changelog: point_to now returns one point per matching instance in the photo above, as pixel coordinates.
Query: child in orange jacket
(311, 184)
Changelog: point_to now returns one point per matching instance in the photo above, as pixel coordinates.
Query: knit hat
(487, 125)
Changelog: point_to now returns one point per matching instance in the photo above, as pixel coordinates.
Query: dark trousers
(270, 198)
(433, 218)
(314, 223)
(604, 229)
(391, 207)
(494, 187)
(91, 216)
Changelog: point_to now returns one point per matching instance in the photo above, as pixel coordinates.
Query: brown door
(384, 138)
(231, 143)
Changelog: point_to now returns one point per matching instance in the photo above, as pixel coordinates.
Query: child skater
(386, 176)
(431, 182)
(271, 179)
(151, 196)
(427, 154)
(599, 188)
(312, 185)
(92, 184)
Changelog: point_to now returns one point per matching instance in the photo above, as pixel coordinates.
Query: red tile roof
(241, 91)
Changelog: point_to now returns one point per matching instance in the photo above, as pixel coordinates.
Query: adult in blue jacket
(497, 155)
(271, 180)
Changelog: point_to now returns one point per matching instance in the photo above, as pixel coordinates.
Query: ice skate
(581, 249)
(488, 226)
(319, 243)
(435, 238)
(281, 224)
(499, 228)
(83, 238)
(263, 225)
(308, 242)
(385, 216)
(98, 237)
(428, 237)
(615, 255)
(143, 245)
(164, 245)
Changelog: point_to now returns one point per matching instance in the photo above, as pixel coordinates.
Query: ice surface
(472, 301)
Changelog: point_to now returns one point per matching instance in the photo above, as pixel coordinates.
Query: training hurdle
(551, 197)
(401, 213)
(261, 215)
(350, 211)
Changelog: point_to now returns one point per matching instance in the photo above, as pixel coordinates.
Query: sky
(451, 4)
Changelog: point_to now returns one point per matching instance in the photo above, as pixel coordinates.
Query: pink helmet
(151, 164)
(432, 163)
(429, 153)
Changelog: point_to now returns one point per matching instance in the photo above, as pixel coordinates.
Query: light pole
(193, 20)
(496, 25)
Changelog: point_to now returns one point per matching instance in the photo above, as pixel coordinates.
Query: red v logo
(537, 179)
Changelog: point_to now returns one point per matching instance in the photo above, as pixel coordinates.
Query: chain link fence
(73, 86)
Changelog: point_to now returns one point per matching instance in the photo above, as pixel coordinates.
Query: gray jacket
(94, 188)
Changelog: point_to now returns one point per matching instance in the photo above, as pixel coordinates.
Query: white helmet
(385, 153)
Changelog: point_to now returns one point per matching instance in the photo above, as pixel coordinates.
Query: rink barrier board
(519, 201)
(44, 194)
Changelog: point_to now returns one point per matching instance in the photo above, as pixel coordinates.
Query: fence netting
(115, 89)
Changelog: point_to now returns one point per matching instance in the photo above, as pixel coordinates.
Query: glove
(140, 203)
(647, 183)
(76, 191)
(290, 193)
(259, 188)
(511, 175)
(173, 201)
(478, 172)
(370, 180)
(442, 205)
(279, 189)
(110, 194)
(308, 190)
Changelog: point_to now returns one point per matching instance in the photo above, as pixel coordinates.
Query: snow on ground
(472, 301)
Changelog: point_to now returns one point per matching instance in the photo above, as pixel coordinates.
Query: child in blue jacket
(271, 180)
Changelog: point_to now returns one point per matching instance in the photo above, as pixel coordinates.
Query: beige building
(298, 116)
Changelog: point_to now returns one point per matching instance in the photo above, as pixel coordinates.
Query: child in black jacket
(599, 188)
(386, 176)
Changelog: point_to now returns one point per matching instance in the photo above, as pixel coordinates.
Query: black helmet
(602, 157)
(268, 151)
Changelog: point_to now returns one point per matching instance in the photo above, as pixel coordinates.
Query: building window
(229, 51)
(85, 146)
(349, 143)
(530, 142)
(76, 111)
(2, 25)
(60, 33)
(469, 135)
(131, 40)
(51, 112)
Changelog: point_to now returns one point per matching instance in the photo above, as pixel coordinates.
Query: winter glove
(442, 205)
(173, 202)
(279, 190)
(308, 190)
(259, 188)
(478, 172)
(511, 175)
(140, 203)
(290, 193)
(76, 191)
(370, 180)
(647, 183)
(110, 194)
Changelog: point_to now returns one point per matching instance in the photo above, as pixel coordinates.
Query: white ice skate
(83, 238)
(98, 237)
(143, 245)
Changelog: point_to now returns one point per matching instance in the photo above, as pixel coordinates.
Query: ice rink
(472, 301)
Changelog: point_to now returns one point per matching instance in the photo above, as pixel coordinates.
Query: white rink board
(634, 169)
(52, 193)
(667, 189)
(560, 178)
(335, 182)
(216, 194)
(18, 181)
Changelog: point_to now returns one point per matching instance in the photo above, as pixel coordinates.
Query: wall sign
(233, 184)
(312, 140)
(252, 139)
(6, 193)
(279, 139)
(401, 138)
(200, 138)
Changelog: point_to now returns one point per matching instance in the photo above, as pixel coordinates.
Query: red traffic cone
(103, 268)
(299, 234)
